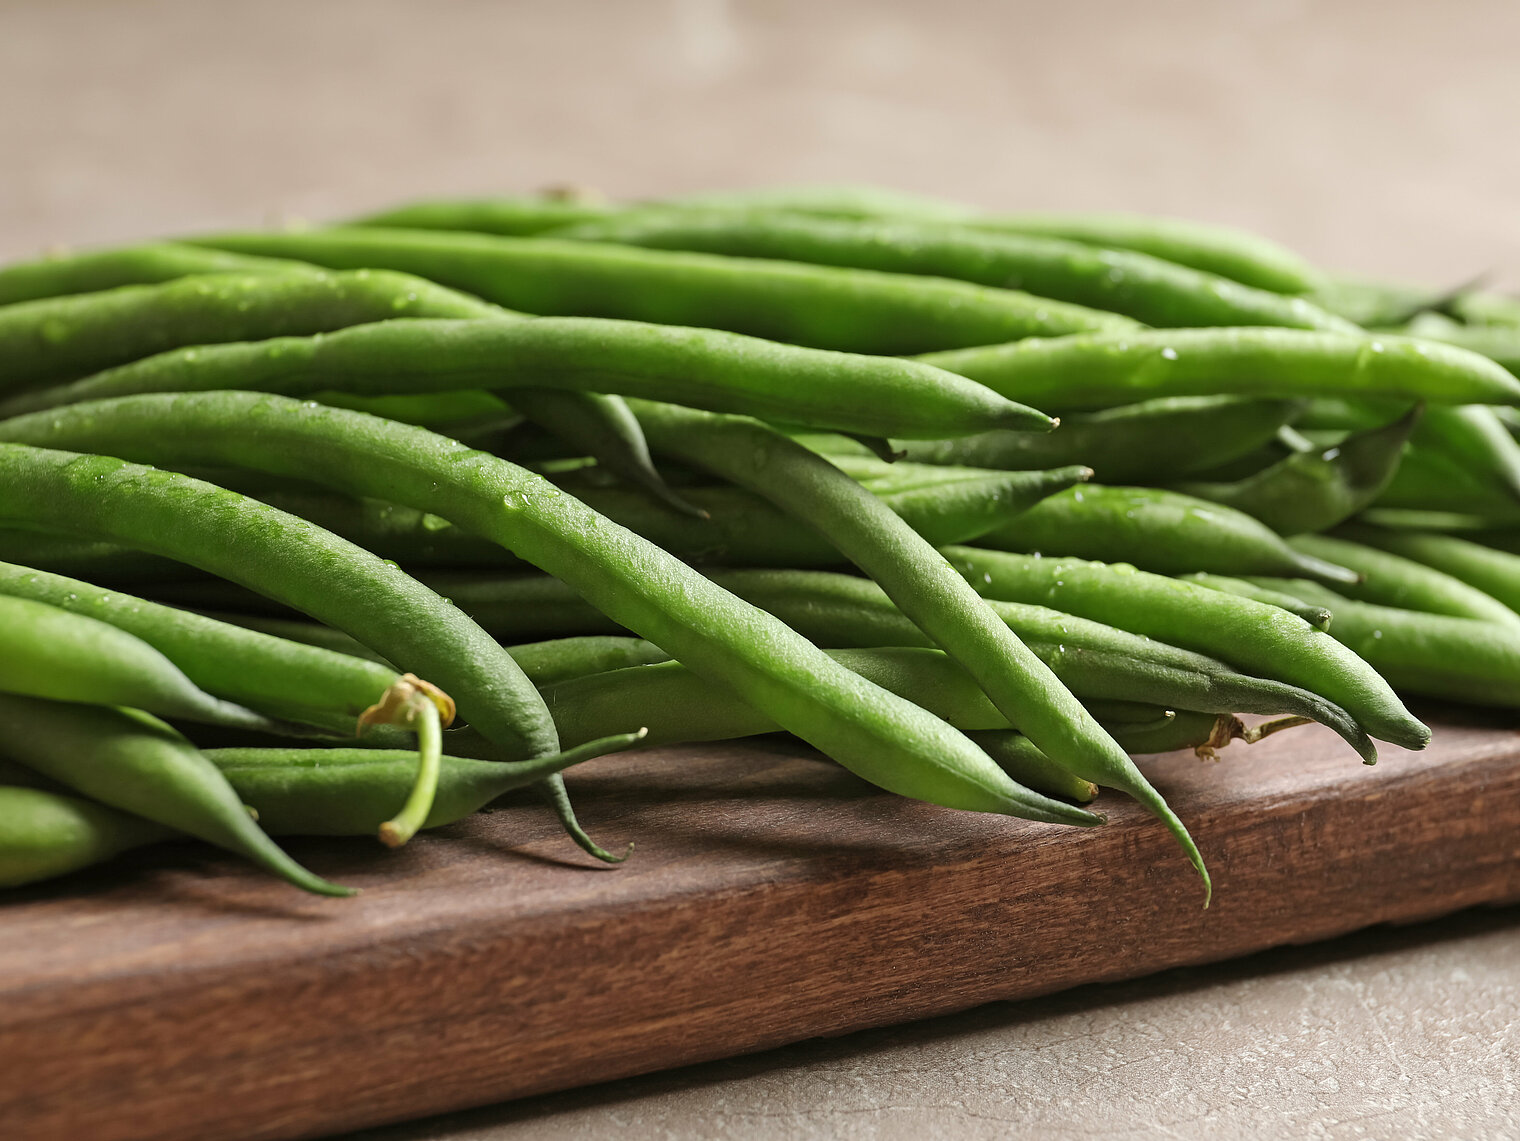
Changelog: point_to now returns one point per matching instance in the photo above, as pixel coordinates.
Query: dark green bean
(875, 734)
(1236, 254)
(1246, 634)
(1392, 580)
(1157, 292)
(869, 534)
(58, 275)
(1151, 441)
(133, 762)
(700, 367)
(50, 652)
(1494, 572)
(1435, 480)
(1158, 531)
(62, 338)
(1103, 369)
(1311, 491)
(818, 306)
(44, 834)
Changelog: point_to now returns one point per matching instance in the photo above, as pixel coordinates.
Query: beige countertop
(1373, 137)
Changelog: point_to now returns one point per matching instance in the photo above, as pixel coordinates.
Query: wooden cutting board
(772, 897)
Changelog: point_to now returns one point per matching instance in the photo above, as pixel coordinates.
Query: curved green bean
(1494, 572)
(817, 306)
(1311, 491)
(131, 761)
(44, 834)
(1243, 633)
(1153, 291)
(878, 736)
(58, 275)
(1320, 617)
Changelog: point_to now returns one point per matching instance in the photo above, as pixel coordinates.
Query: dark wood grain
(772, 897)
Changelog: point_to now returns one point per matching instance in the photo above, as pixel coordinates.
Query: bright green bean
(1319, 617)
(59, 275)
(1494, 572)
(44, 834)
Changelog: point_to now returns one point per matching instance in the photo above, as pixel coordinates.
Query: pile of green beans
(986, 507)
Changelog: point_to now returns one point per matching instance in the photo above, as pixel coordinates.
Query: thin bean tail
(558, 797)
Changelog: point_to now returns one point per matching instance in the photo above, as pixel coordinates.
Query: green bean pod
(875, 734)
(58, 275)
(1237, 254)
(1246, 634)
(351, 792)
(1093, 660)
(1494, 572)
(1319, 617)
(515, 216)
(818, 306)
(62, 338)
(1099, 370)
(131, 761)
(1156, 292)
(1432, 480)
(45, 834)
(52, 653)
(1466, 660)
(1391, 580)
(270, 674)
(287, 558)
(700, 367)
(1311, 491)
(881, 544)
(1149, 442)
(1155, 530)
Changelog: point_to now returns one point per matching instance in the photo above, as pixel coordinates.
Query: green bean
(1374, 303)
(1134, 443)
(270, 674)
(1156, 292)
(1466, 660)
(1100, 370)
(1245, 634)
(722, 371)
(1472, 435)
(131, 761)
(1496, 573)
(1479, 307)
(49, 652)
(869, 534)
(351, 792)
(876, 735)
(1158, 531)
(297, 563)
(1310, 491)
(58, 275)
(1317, 616)
(63, 338)
(563, 658)
(1017, 756)
(817, 306)
(63, 554)
(1185, 729)
(44, 834)
(1391, 580)
(1499, 343)
(1236, 254)
(1435, 480)
(514, 216)
(737, 527)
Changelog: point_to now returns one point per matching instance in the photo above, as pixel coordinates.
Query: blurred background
(1374, 136)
